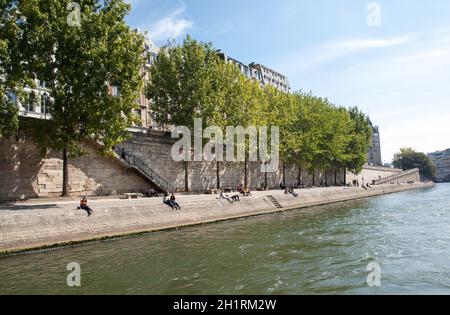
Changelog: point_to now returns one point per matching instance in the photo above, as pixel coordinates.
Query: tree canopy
(189, 81)
(408, 158)
(79, 63)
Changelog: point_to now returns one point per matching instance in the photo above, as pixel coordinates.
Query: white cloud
(170, 27)
(330, 50)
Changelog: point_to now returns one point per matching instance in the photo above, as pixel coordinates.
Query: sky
(391, 58)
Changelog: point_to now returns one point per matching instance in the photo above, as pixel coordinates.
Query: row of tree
(190, 81)
(79, 62)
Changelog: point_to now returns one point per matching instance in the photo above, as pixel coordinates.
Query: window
(44, 104)
(29, 102)
(12, 97)
(115, 91)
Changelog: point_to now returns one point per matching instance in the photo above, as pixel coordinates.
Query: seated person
(226, 197)
(227, 189)
(167, 201)
(84, 206)
(292, 192)
(173, 200)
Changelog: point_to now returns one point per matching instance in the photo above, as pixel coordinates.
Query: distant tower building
(375, 148)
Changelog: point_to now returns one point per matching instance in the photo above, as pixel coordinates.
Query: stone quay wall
(24, 174)
(26, 227)
(154, 148)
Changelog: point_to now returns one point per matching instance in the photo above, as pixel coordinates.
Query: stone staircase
(405, 176)
(275, 202)
(159, 182)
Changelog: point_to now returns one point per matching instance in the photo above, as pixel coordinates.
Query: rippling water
(323, 250)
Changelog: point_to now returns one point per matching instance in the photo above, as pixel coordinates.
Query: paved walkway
(73, 202)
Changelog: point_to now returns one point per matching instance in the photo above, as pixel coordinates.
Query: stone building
(374, 155)
(265, 75)
(441, 160)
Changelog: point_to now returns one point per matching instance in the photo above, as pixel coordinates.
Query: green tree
(360, 133)
(13, 77)
(183, 85)
(79, 64)
(408, 159)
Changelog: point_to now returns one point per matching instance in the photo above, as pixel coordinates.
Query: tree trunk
(335, 176)
(345, 176)
(284, 174)
(299, 179)
(218, 174)
(245, 171)
(314, 178)
(326, 178)
(186, 177)
(265, 178)
(65, 188)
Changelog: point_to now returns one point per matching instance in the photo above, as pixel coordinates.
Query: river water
(322, 250)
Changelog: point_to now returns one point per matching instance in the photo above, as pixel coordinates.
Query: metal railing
(144, 169)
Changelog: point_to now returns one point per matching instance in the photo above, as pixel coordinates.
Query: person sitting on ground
(282, 187)
(226, 197)
(286, 191)
(173, 200)
(247, 192)
(227, 189)
(84, 206)
(168, 201)
(292, 192)
(236, 198)
(364, 187)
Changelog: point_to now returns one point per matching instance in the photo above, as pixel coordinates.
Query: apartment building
(265, 75)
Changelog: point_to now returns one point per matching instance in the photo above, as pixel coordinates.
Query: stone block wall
(401, 178)
(369, 174)
(154, 148)
(24, 174)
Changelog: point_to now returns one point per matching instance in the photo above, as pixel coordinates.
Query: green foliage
(190, 81)
(408, 159)
(79, 64)
(13, 77)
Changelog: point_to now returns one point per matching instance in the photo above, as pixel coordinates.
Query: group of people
(245, 191)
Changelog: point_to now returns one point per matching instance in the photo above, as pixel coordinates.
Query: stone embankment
(38, 225)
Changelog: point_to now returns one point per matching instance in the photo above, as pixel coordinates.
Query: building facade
(374, 155)
(264, 75)
(441, 160)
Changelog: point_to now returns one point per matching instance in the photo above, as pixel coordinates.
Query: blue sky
(397, 72)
